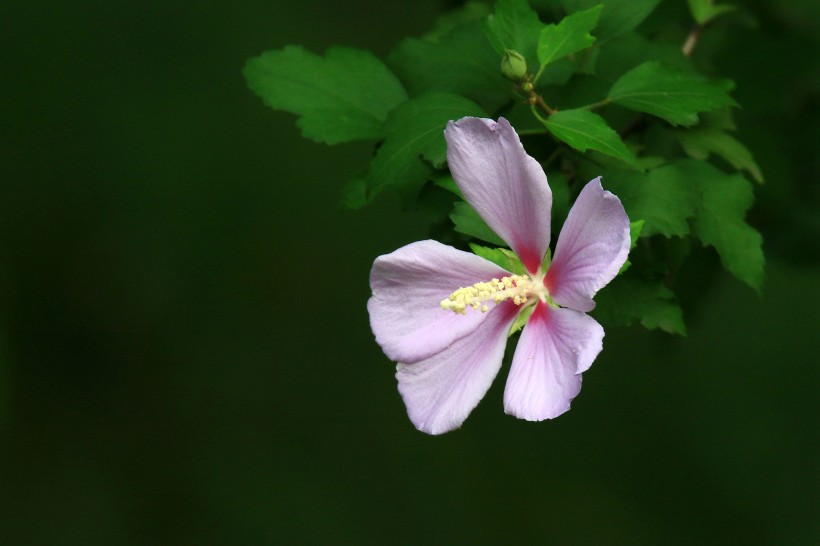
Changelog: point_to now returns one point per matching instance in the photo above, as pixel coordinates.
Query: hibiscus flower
(444, 315)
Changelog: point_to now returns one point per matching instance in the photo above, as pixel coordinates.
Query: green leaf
(635, 229)
(342, 97)
(354, 193)
(445, 181)
(665, 198)
(627, 299)
(700, 142)
(521, 319)
(719, 221)
(468, 222)
(461, 16)
(568, 36)
(461, 62)
(617, 17)
(415, 130)
(704, 11)
(547, 260)
(584, 130)
(632, 49)
(502, 257)
(695, 197)
(514, 25)
(670, 94)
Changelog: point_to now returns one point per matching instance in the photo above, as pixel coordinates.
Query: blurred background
(185, 356)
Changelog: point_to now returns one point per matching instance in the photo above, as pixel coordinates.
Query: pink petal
(592, 247)
(503, 184)
(555, 347)
(408, 285)
(441, 391)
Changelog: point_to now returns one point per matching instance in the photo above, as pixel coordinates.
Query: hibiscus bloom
(445, 315)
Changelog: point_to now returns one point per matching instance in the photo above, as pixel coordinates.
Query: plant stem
(553, 156)
(543, 105)
(535, 113)
(596, 105)
(526, 132)
(692, 40)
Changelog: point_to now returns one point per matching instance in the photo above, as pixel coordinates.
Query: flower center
(518, 288)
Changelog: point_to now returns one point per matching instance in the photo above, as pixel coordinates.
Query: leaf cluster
(602, 95)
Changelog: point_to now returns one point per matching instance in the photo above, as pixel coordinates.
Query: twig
(692, 40)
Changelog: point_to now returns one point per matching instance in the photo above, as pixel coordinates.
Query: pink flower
(445, 315)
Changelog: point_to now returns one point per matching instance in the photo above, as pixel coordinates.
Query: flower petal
(408, 285)
(503, 184)
(592, 247)
(441, 391)
(556, 346)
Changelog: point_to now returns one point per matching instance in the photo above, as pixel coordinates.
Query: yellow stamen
(518, 288)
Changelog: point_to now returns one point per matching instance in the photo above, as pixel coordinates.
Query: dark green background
(185, 355)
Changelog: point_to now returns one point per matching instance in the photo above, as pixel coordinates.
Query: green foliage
(584, 130)
(342, 97)
(632, 49)
(693, 197)
(354, 193)
(720, 223)
(521, 319)
(670, 94)
(635, 229)
(516, 26)
(617, 17)
(462, 62)
(700, 142)
(704, 11)
(664, 198)
(569, 36)
(602, 84)
(415, 132)
(628, 299)
(467, 221)
(502, 257)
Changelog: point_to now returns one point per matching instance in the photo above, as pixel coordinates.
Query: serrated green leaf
(581, 91)
(700, 142)
(450, 20)
(571, 35)
(445, 181)
(628, 299)
(502, 257)
(617, 17)
(354, 193)
(665, 198)
(584, 130)
(631, 49)
(514, 25)
(415, 130)
(343, 96)
(467, 221)
(635, 229)
(648, 162)
(669, 93)
(704, 11)
(719, 221)
(461, 62)
(722, 118)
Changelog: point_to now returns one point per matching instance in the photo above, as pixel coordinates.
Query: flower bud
(514, 65)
